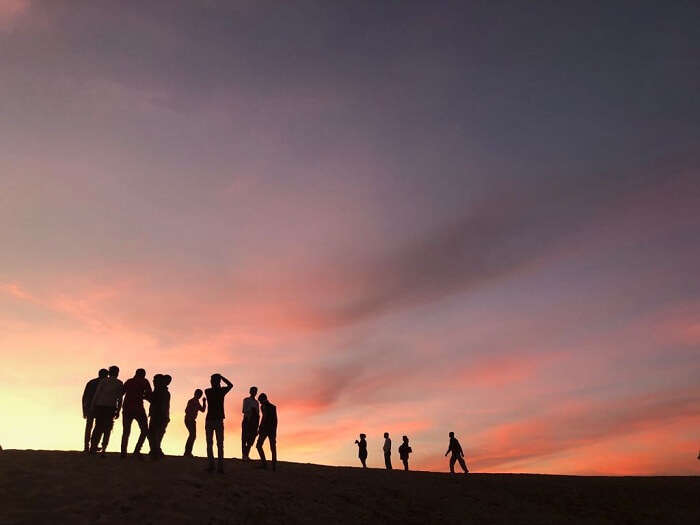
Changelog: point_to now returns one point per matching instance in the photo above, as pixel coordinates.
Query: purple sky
(405, 216)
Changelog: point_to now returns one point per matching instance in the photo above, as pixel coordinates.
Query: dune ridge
(69, 487)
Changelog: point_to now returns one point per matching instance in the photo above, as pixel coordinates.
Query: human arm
(204, 405)
(119, 405)
(228, 383)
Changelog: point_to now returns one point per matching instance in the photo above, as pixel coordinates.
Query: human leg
(127, 418)
(387, 460)
(97, 432)
(142, 421)
(462, 464)
(219, 430)
(89, 422)
(453, 459)
(405, 464)
(273, 450)
(209, 436)
(154, 437)
(191, 426)
(262, 436)
(108, 426)
(244, 440)
(161, 434)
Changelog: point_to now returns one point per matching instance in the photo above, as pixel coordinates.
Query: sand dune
(68, 487)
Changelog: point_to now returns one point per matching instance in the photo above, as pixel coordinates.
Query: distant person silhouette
(457, 454)
(136, 390)
(249, 425)
(88, 394)
(191, 410)
(362, 449)
(214, 423)
(159, 413)
(268, 429)
(387, 451)
(404, 451)
(106, 404)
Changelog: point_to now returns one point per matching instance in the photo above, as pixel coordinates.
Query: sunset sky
(413, 217)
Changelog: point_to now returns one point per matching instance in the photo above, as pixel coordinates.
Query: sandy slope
(66, 487)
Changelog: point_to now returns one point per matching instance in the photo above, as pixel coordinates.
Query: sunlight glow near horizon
(413, 218)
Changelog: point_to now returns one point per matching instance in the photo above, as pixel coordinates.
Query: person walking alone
(457, 454)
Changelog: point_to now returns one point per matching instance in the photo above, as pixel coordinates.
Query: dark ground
(68, 487)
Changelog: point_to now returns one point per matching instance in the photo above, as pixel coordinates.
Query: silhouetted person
(362, 449)
(457, 454)
(404, 451)
(249, 425)
(136, 390)
(191, 410)
(268, 429)
(214, 423)
(387, 451)
(106, 404)
(159, 413)
(89, 417)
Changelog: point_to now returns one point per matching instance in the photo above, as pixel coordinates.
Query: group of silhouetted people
(405, 450)
(106, 396)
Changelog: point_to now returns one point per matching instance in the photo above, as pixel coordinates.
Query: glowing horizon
(415, 219)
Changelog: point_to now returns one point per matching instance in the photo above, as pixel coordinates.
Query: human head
(253, 390)
(262, 398)
(216, 380)
(102, 373)
(140, 372)
(198, 393)
(113, 371)
(405, 439)
(167, 379)
(386, 435)
(452, 434)
(157, 380)
(363, 436)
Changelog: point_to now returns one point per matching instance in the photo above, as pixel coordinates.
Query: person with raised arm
(362, 449)
(214, 423)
